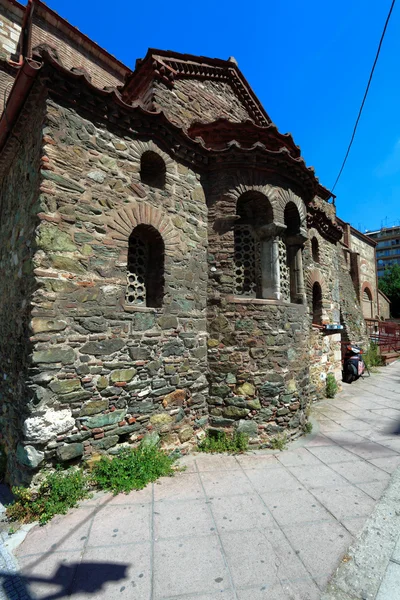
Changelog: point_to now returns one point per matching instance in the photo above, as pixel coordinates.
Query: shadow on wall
(84, 577)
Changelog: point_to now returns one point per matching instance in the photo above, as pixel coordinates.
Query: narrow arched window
(293, 250)
(145, 285)
(152, 169)
(367, 304)
(251, 271)
(317, 304)
(315, 249)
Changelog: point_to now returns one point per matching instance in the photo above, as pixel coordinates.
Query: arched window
(315, 249)
(152, 169)
(317, 304)
(145, 267)
(294, 273)
(251, 272)
(367, 304)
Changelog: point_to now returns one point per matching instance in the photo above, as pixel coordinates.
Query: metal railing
(386, 334)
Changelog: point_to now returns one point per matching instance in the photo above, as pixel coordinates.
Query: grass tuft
(132, 469)
(58, 492)
(279, 442)
(219, 441)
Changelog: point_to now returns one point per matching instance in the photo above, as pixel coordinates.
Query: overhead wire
(365, 94)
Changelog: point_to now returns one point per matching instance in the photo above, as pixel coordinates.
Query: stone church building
(168, 261)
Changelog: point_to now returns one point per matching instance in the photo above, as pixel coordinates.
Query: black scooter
(353, 364)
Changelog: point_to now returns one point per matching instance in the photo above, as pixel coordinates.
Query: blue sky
(308, 62)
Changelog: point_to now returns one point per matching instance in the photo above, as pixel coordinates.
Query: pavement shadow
(84, 577)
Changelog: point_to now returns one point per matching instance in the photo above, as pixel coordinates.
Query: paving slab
(261, 526)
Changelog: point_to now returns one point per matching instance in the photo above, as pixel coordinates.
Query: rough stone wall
(258, 367)
(367, 274)
(351, 314)
(103, 372)
(258, 349)
(325, 347)
(19, 178)
(325, 357)
(192, 100)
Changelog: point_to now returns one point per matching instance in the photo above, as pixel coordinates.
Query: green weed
(331, 386)
(219, 441)
(58, 492)
(372, 358)
(132, 469)
(278, 442)
(307, 428)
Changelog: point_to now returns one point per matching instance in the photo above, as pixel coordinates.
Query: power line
(365, 94)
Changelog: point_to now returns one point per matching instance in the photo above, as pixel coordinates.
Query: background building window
(145, 285)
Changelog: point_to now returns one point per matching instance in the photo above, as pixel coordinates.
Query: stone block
(246, 389)
(139, 353)
(106, 442)
(151, 439)
(63, 263)
(40, 325)
(70, 451)
(173, 348)
(247, 427)
(220, 389)
(185, 434)
(62, 181)
(161, 419)
(168, 322)
(93, 407)
(175, 398)
(122, 375)
(105, 419)
(64, 355)
(65, 386)
(143, 321)
(52, 239)
(44, 427)
(104, 347)
(29, 456)
(235, 412)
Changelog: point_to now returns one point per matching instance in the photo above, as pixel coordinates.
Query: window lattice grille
(245, 261)
(284, 271)
(136, 276)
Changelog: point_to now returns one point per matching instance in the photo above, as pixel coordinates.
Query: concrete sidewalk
(257, 526)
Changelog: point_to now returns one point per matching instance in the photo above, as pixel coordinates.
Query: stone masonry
(169, 264)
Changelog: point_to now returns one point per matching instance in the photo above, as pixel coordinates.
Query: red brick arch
(315, 276)
(366, 286)
(123, 220)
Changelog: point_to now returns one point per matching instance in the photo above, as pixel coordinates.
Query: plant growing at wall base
(58, 492)
(331, 386)
(132, 469)
(372, 358)
(220, 441)
(279, 442)
(307, 427)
